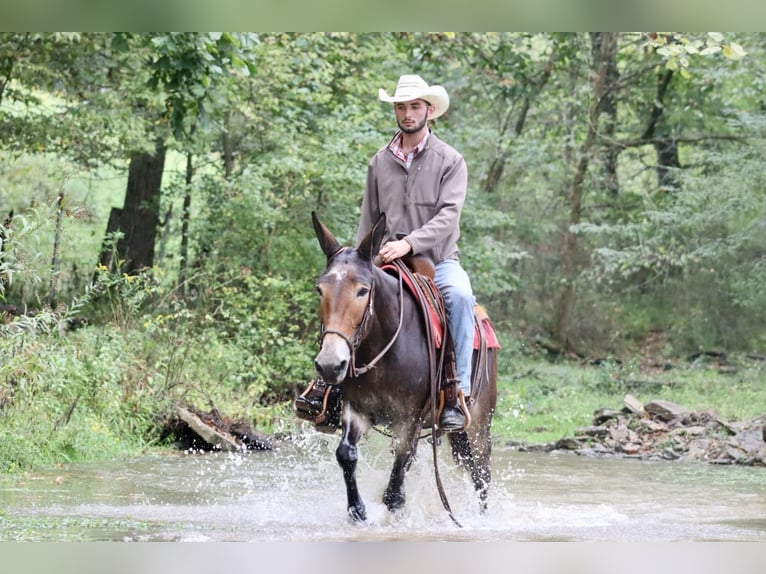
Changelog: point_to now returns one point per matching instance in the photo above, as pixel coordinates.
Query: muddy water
(296, 493)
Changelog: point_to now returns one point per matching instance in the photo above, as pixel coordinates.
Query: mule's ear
(327, 241)
(370, 245)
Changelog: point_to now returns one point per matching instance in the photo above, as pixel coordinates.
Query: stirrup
(460, 405)
(320, 404)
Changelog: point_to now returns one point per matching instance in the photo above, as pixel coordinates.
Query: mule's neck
(384, 322)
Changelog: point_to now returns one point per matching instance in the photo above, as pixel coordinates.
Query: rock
(593, 431)
(633, 404)
(730, 429)
(595, 450)
(748, 442)
(567, 444)
(736, 453)
(619, 434)
(698, 448)
(662, 430)
(665, 410)
(689, 431)
(601, 416)
(543, 447)
(629, 448)
(669, 454)
(652, 426)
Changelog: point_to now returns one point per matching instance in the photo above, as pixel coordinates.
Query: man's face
(411, 116)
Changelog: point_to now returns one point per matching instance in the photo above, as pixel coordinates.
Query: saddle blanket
(486, 326)
(482, 318)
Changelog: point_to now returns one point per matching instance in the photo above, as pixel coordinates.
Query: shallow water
(296, 493)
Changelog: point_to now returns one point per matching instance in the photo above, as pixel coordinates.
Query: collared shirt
(396, 147)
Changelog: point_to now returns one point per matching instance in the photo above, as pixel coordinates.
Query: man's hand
(393, 250)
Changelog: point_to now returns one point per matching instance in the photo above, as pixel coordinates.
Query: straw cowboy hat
(413, 87)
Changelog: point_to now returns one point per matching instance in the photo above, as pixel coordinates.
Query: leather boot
(321, 404)
(452, 417)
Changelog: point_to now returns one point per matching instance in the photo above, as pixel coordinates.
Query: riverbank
(663, 430)
(655, 430)
(541, 401)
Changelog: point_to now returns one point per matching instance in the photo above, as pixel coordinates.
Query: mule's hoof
(358, 513)
(393, 501)
(452, 419)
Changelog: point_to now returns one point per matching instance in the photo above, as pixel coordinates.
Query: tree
(185, 67)
(603, 82)
(137, 222)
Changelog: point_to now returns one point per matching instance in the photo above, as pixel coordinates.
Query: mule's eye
(319, 290)
(362, 292)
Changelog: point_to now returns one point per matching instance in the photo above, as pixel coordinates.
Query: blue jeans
(455, 287)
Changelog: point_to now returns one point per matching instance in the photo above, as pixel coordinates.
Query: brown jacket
(422, 203)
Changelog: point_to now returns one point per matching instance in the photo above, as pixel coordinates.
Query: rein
(435, 366)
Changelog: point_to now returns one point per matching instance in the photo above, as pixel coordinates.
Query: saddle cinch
(320, 403)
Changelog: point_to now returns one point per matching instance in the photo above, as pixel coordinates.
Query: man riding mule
(376, 346)
(420, 183)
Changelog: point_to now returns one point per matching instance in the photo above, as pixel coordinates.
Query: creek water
(295, 493)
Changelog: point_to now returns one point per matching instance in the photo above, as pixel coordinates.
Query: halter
(356, 337)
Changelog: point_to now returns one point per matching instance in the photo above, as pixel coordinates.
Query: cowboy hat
(413, 87)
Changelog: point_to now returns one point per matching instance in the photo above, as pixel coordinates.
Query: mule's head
(345, 298)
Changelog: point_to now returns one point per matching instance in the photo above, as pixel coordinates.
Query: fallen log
(211, 431)
(210, 435)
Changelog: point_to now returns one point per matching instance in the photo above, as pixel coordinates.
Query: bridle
(360, 330)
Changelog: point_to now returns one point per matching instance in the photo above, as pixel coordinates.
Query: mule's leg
(473, 452)
(481, 471)
(404, 452)
(347, 455)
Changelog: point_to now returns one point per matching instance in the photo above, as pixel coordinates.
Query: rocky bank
(662, 430)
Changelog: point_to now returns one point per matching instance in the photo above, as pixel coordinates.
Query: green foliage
(188, 67)
(66, 399)
(697, 250)
(74, 95)
(296, 117)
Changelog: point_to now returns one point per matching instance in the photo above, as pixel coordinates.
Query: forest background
(156, 198)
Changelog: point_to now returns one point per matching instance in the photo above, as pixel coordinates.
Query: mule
(374, 345)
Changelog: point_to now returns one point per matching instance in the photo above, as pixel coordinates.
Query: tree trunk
(138, 219)
(183, 271)
(504, 146)
(667, 163)
(606, 43)
(666, 148)
(55, 260)
(228, 148)
(3, 245)
(609, 111)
